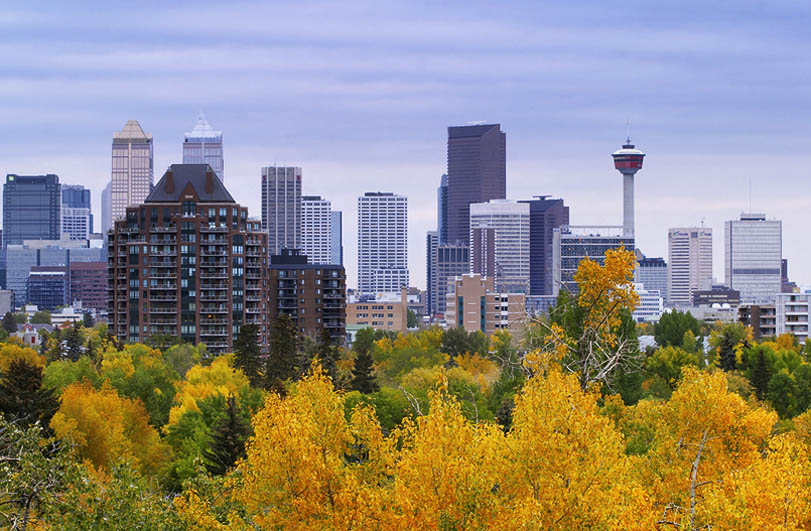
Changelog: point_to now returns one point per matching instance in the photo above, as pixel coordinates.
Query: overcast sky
(359, 94)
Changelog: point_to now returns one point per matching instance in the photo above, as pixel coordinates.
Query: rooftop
(132, 131)
(467, 131)
(200, 177)
(203, 130)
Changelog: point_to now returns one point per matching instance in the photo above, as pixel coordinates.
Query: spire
(203, 129)
(132, 130)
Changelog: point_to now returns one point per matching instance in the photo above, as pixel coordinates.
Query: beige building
(474, 305)
(132, 168)
(385, 311)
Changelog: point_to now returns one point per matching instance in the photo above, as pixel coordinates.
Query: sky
(360, 94)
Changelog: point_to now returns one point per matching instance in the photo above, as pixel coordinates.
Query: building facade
(382, 243)
(477, 173)
(762, 319)
(431, 244)
(442, 209)
(203, 145)
(32, 208)
(689, 267)
(132, 173)
(77, 216)
(188, 263)
(473, 304)
(507, 257)
(106, 209)
(316, 229)
(88, 284)
(652, 274)
(281, 207)
(753, 252)
(651, 304)
(453, 260)
(48, 287)
(545, 215)
(574, 243)
(336, 237)
(312, 295)
(792, 314)
(381, 311)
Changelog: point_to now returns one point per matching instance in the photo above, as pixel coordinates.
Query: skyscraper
(545, 215)
(477, 173)
(203, 273)
(753, 252)
(281, 207)
(336, 237)
(652, 274)
(316, 229)
(203, 145)
(499, 243)
(442, 209)
(574, 243)
(431, 243)
(628, 161)
(382, 242)
(132, 168)
(452, 261)
(77, 218)
(689, 266)
(32, 208)
(106, 209)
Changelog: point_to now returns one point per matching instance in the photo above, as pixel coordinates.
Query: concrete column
(628, 205)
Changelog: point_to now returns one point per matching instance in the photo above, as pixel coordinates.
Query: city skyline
(709, 85)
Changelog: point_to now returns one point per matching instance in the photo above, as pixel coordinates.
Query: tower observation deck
(628, 161)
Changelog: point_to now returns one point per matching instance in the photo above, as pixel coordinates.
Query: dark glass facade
(32, 208)
(545, 215)
(477, 172)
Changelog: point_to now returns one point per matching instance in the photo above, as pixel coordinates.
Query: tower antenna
(628, 131)
(750, 195)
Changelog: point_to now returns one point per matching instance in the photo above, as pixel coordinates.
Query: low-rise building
(48, 287)
(474, 304)
(651, 304)
(793, 314)
(384, 311)
(761, 317)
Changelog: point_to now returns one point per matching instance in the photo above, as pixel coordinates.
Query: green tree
(88, 321)
(9, 323)
(41, 317)
(411, 320)
(280, 364)
(183, 357)
(363, 379)
(726, 342)
(74, 342)
(783, 394)
(761, 374)
(328, 356)
(671, 327)
(364, 340)
(21, 318)
(23, 398)
(667, 363)
(246, 352)
(227, 440)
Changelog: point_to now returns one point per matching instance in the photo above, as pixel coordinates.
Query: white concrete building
(281, 207)
(792, 311)
(753, 253)
(316, 229)
(689, 266)
(131, 169)
(382, 242)
(506, 257)
(651, 304)
(203, 145)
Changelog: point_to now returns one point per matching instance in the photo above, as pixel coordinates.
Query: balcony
(213, 274)
(213, 309)
(164, 310)
(163, 275)
(163, 322)
(162, 298)
(212, 321)
(171, 227)
(213, 297)
(214, 332)
(205, 229)
(164, 286)
(216, 252)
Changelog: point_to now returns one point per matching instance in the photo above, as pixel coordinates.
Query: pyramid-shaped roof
(203, 129)
(178, 177)
(132, 131)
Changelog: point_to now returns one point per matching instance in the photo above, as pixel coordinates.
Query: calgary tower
(628, 161)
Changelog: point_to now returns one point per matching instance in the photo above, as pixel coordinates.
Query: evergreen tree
(280, 364)
(761, 376)
(246, 352)
(362, 378)
(73, 342)
(727, 358)
(228, 440)
(9, 323)
(87, 321)
(23, 399)
(328, 355)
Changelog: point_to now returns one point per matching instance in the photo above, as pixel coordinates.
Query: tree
(761, 375)
(671, 327)
(364, 340)
(363, 379)
(328, 356)
(41, 317)
(23, 399)
(9, 323)
(280, 363)
(21, 318)
(667, 363)
(74, 342)
(246, 352)
(728, 342)
(88, 321)
(228, 440)
(411, 320)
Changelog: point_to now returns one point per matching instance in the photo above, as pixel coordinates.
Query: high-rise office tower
(382, 242)
(281, 207)
(336, 237)
(203, 145)
(652, 274)
(77, 217)
(753, 252)
(452, 261)
(442, 209)
(477, 173)
(132, 168)
(316, 229)
(106, 210)
(571, 244)
(188, 263)
(431, 243)
(32, 208)
(689, 266)
(545, 215)
(628, 161)
(499, 243)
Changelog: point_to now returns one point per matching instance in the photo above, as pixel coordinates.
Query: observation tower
(628, 161)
